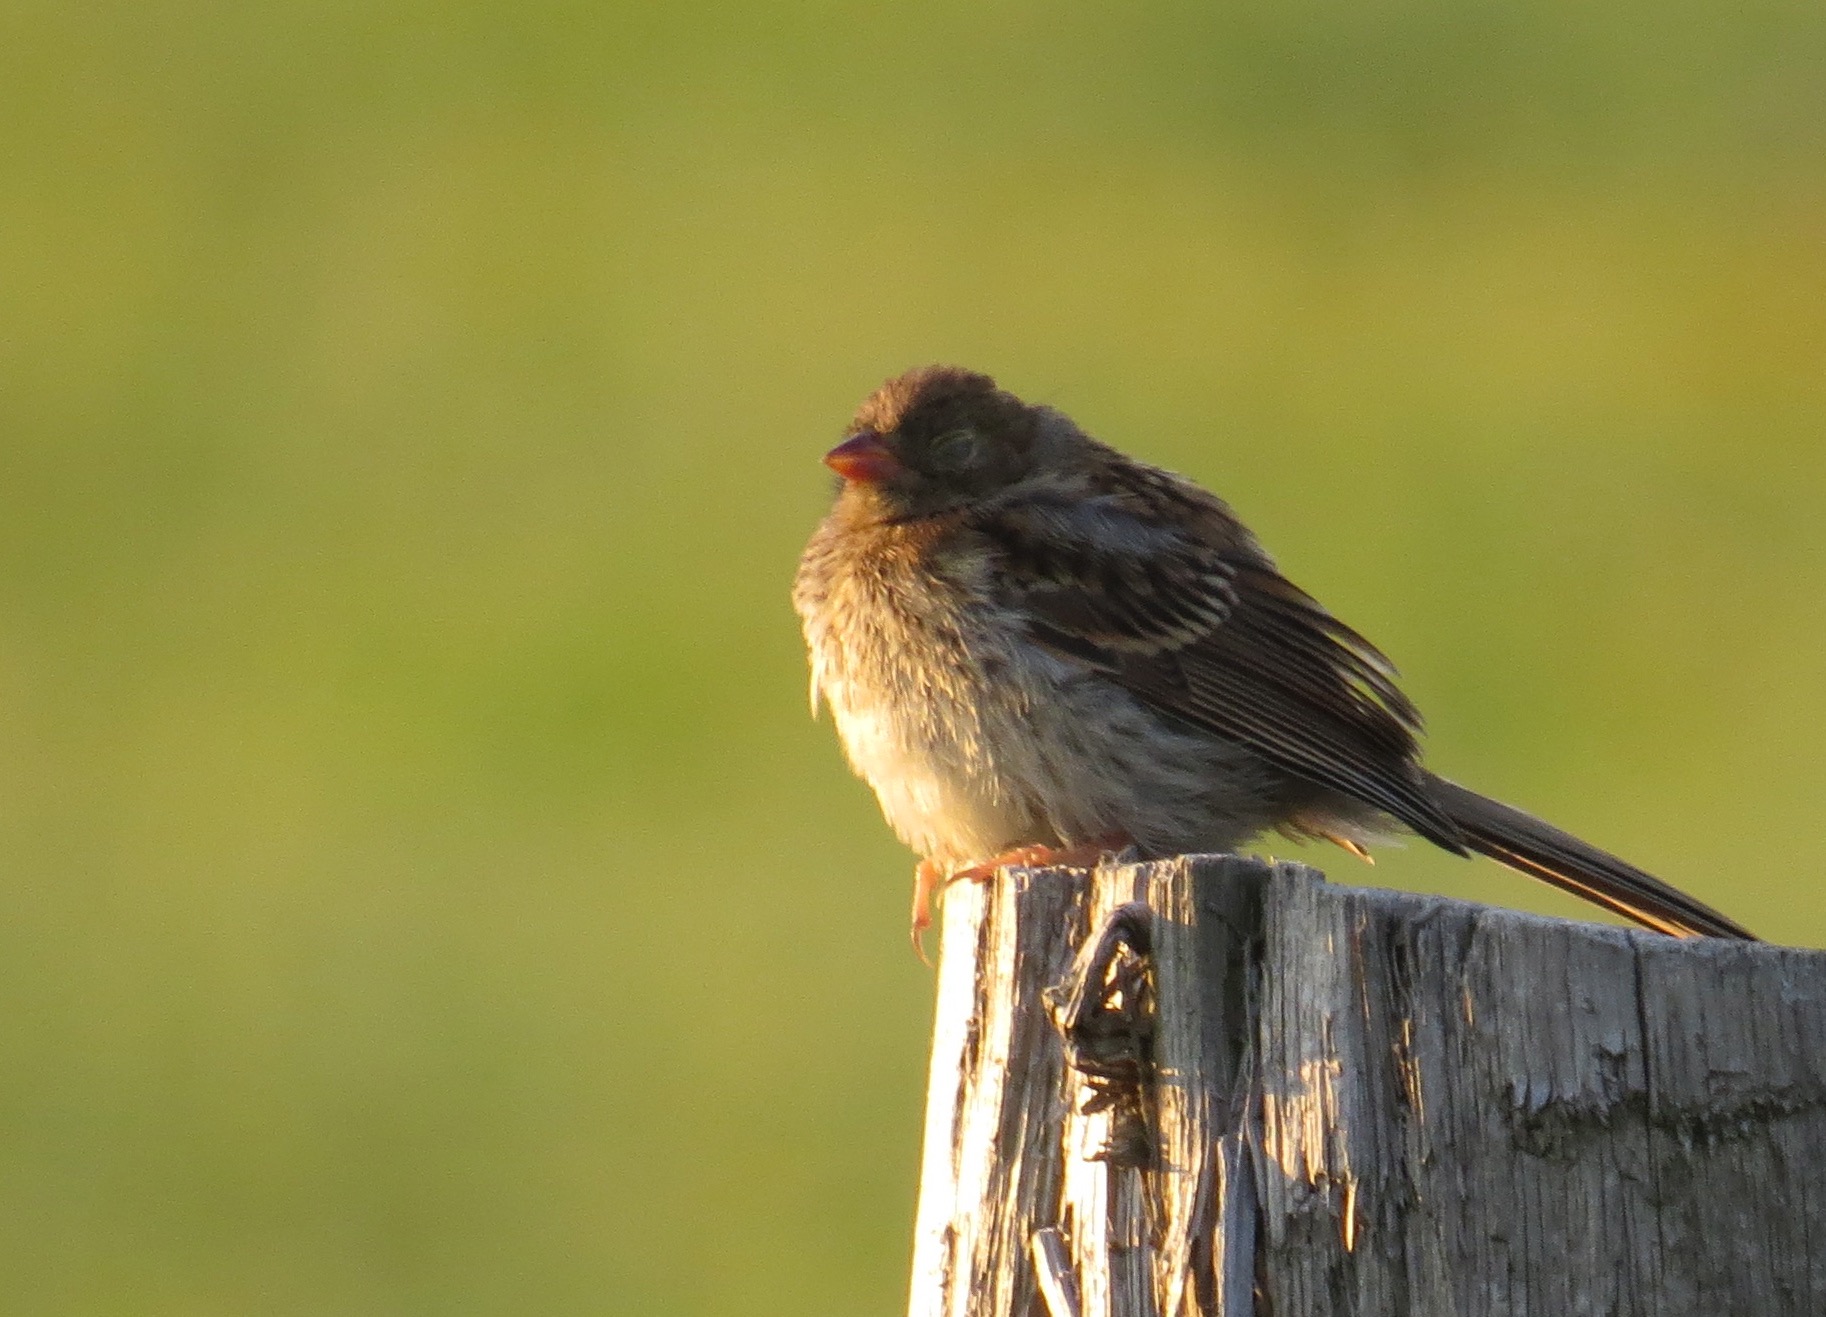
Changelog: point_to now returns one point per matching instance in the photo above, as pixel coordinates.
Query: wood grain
(1363, 1102)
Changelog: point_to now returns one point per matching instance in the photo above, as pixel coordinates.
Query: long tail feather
(1538, 849)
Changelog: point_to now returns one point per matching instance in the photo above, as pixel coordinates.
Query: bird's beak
(863, 457)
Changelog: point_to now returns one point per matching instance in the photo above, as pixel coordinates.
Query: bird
(1038, 650)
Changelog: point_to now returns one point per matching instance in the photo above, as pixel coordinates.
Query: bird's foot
(1350, 844)
(932, 877)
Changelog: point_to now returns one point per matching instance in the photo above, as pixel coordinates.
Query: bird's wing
(1157, 586)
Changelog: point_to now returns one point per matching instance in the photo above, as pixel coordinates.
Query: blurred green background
(421, 887)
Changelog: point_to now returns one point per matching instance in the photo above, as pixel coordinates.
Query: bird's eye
(955, 450)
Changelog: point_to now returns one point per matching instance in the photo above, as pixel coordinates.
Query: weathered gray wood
(1056, 1226)
(1360, 1102)
(993, 1166)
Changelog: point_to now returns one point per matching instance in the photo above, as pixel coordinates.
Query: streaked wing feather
(1212, 635)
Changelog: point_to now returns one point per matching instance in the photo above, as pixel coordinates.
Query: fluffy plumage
(1028, 640)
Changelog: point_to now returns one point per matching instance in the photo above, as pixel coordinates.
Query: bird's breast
(924, 688)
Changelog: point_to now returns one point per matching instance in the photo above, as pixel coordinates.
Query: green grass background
(421, 888)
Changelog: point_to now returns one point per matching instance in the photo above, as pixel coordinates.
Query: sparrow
(1038, 650)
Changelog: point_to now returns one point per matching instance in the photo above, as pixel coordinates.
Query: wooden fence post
(1211, 1085)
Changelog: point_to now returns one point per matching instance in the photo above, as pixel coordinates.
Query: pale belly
(974, 746)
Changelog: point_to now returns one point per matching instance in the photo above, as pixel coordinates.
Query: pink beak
(863, 457)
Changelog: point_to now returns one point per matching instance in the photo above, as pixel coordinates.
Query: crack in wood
(1104, 1012)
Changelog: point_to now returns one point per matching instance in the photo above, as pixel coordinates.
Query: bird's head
(937, 438)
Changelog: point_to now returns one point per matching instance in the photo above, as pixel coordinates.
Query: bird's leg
(928, 877)
(932, 877)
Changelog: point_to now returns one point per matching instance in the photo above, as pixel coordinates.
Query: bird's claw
(932, 877)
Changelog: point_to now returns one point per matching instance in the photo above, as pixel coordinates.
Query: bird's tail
(1542, 851)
